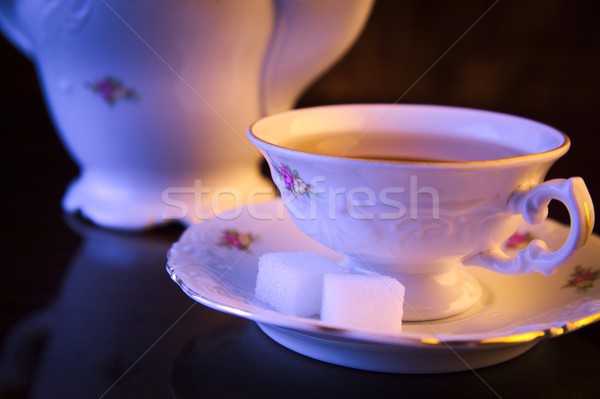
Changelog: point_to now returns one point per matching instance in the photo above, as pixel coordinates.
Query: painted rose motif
(582, 278)
(519, 240)
(233, 239)
(292, 180)
(112, 90)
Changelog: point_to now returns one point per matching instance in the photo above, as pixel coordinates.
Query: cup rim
(553, 153)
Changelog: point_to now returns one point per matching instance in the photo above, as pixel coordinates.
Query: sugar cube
(292, 282)
(368, 302)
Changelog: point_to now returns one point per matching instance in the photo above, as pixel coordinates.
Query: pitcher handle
(11, 27)
(532, 204)
(308, 37)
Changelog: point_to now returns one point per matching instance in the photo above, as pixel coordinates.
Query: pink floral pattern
(582, 279)
(292, 180)
(233, 239)
(519, 240)
(112, 90)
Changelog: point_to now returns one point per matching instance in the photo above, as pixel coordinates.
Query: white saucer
(215, 263)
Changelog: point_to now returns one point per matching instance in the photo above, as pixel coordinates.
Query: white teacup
(458, 184)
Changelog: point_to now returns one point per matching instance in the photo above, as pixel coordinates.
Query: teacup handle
(532, 204)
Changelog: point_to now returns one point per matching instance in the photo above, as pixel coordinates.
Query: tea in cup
(416, 192)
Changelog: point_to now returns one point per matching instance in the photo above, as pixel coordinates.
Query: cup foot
(431, 296)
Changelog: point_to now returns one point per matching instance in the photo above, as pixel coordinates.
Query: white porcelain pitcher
(152, 98)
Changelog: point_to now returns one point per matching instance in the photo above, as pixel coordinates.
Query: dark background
(537, 59)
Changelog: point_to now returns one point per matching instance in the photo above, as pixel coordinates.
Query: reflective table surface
(92, 313)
